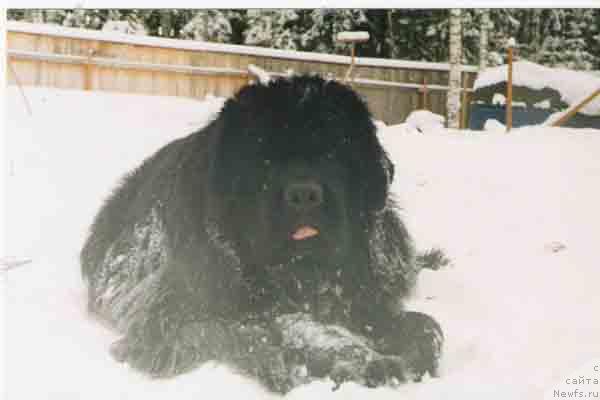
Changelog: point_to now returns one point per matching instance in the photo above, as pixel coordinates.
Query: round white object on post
(353, 36)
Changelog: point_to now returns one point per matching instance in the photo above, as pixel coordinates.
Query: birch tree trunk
(390, 37)
(483, 39)
(453, 97)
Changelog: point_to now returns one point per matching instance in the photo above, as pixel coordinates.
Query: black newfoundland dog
(267, 241)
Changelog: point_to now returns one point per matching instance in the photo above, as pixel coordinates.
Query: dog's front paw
(158, 360)
(388, 371)
(267, 364)
(418, 339)
(167, 355)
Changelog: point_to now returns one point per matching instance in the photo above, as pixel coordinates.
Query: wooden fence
(52, 56)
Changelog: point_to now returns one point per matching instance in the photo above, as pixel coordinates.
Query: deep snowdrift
(517, 213)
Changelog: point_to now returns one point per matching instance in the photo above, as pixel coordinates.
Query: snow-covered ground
(517, 213)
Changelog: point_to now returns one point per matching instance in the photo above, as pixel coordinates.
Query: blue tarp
(524, 116)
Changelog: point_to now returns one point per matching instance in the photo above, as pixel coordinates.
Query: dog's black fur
(191, 258)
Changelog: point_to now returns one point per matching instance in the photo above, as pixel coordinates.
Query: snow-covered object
(424, 121)
(493, 125)
(262, 75)
(573, 86)
(353, 36)
(511, 42)
(556, 116)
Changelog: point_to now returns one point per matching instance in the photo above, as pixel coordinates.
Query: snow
(353, 36)
(493, 125)
(263, 76)
(574, 86)
(517, 315)
(544, 104)
(125, 27)
(499, 99)
(516, 213)
(424, 121)
(116, 26)
(54, 30)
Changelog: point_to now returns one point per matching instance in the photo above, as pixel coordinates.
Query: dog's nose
(303, 196)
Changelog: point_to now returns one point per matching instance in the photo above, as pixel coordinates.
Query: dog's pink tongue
(304, 232)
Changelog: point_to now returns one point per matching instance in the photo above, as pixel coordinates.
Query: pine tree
(577, 54)
(323, 25)
(273, 28)
(550, 52)
(504, 24)
(567, 37)
(85, 18)
(209, 25)
(380, 29)
(419, 35)
(593, 35)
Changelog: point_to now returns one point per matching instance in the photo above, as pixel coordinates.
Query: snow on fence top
(574, 86)
(76, 33)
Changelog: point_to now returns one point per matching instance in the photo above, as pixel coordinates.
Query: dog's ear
(378, 176)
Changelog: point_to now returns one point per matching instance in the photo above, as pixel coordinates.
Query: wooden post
(352, 37)
(87, 85)
(349, 75)
(424, 94)
(574, 109)
(509, 87)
